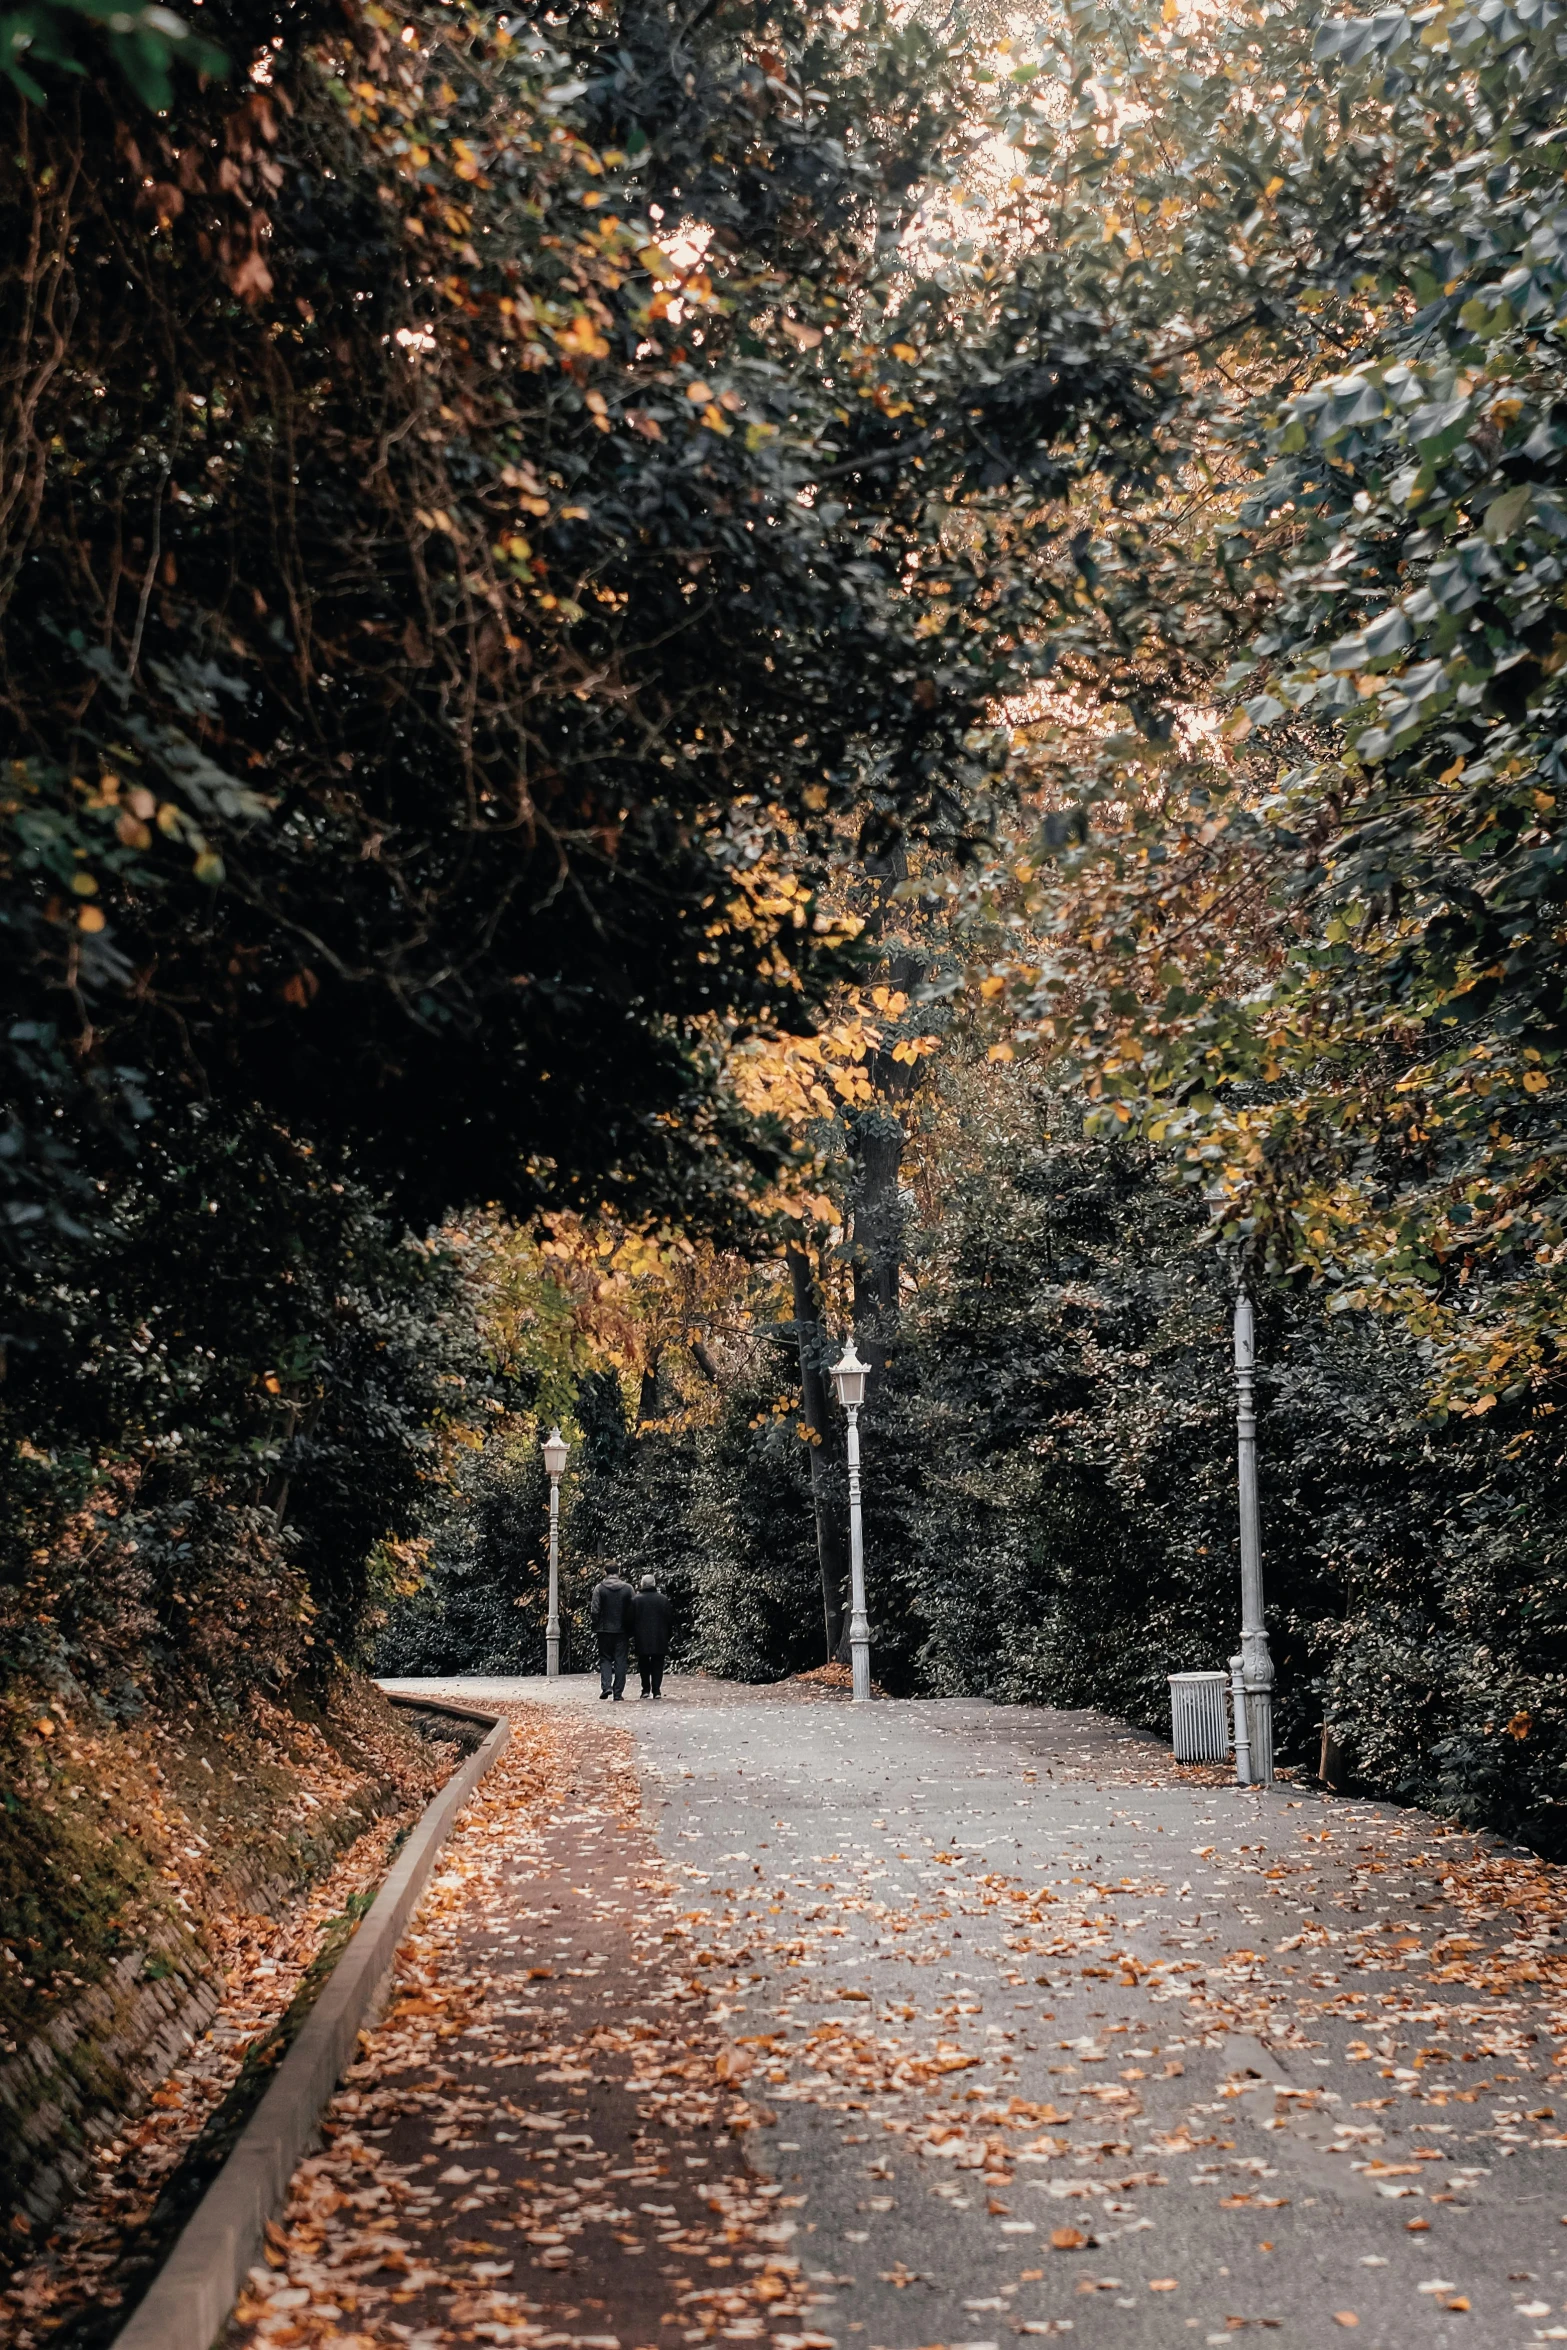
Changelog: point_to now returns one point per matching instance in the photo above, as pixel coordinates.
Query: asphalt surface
(1262, 2115)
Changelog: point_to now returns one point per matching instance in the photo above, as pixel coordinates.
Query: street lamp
(1252, 1671)
(555, 1450)
(848, 1377)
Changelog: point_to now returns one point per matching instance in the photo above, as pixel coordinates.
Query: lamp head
(555, 1450)
(848, 1377)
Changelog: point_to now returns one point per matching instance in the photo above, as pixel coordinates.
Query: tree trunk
(274, 1495)
(879, 1144)
(819, 1439)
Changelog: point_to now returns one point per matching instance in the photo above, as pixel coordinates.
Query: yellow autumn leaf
(583, 337)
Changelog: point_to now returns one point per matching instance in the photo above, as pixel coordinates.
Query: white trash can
(1199, 1716)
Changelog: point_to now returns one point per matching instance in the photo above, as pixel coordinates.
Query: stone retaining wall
(92, 2068)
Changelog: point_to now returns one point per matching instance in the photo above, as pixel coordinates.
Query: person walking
(650, 1619)
(609, 1612)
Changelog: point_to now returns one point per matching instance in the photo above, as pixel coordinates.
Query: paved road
(1053, 2039)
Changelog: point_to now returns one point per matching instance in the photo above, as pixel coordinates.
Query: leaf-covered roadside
(149, 2174)
(532, 2145)
(537, 2143)
(151, 1869)
(1091, 2027)
(980, 2086)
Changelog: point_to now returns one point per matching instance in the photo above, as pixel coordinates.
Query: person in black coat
(609, 1612)
(650, 1619)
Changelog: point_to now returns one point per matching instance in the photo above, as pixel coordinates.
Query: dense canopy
(675, 679)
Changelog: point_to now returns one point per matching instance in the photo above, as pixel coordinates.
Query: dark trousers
(612, 1666)
(652, 1674)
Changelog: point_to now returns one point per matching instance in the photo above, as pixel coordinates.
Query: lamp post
(848, 1377)
(555, 1449)
(1254, 1749)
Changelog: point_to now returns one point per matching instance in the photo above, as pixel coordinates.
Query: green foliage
(1060, 1440)
(421, 553)
(1325, 956)
(755, 1599)
(1419, 620)
(483, 1595)
(230, 1396)
(422, 718)
(143, 45)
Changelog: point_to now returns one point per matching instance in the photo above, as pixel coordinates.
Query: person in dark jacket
(609, 1612)
(650, 1617)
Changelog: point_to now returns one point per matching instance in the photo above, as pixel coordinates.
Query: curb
(189, 2300)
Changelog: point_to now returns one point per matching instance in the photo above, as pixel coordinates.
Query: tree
(1053, 1488)
(421, 620)
(252, 1382)
(480, 1595)
(1323, 954)
(417, 704)
(1291, 967)
(754, 1578)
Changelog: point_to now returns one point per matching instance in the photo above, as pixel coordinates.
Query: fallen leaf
(1163, 2284)
(1068, 2239)
(1345, 2317)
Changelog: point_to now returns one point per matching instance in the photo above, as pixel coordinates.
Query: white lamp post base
(860, 1651)
(1259, 1721)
